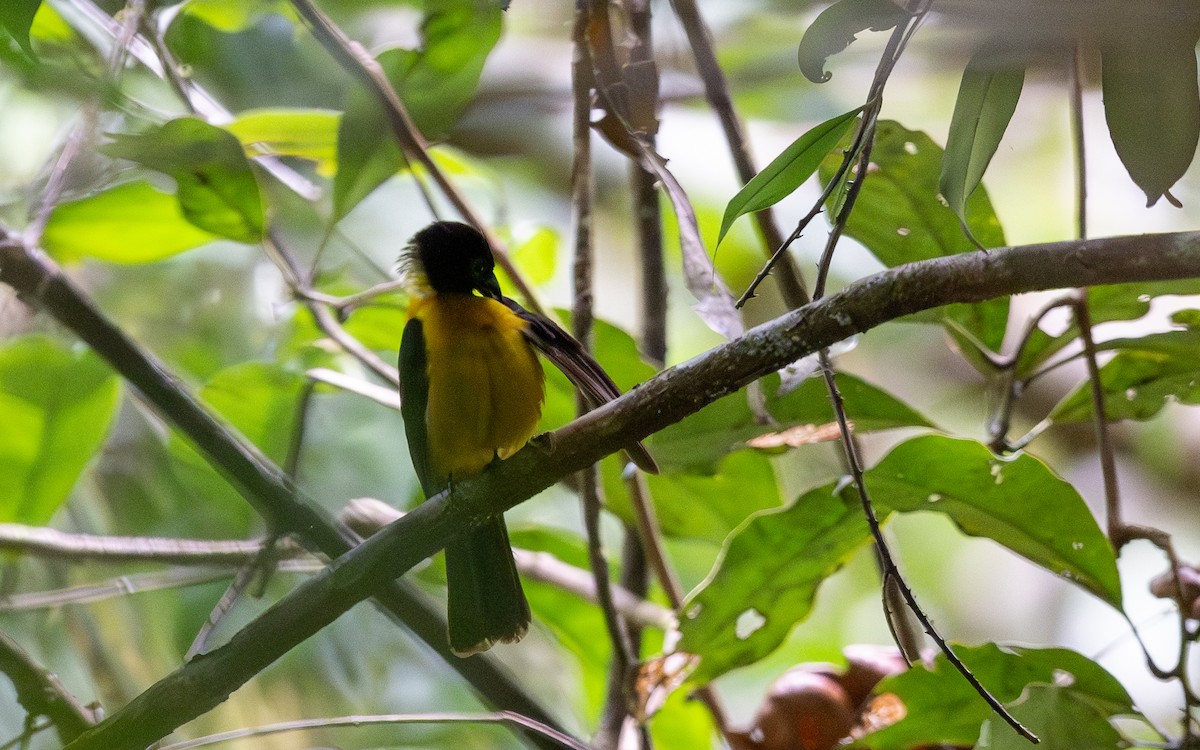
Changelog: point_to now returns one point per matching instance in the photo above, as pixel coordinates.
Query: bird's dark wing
(414, 398)
(566, 353)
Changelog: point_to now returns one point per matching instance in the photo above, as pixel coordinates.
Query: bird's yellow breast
(485, 382)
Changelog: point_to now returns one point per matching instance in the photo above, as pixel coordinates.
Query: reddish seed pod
(866, 665)
(803, 710)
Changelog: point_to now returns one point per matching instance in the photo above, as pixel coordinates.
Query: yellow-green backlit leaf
(130, 223)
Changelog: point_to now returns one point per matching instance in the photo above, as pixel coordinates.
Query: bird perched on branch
(471, 390)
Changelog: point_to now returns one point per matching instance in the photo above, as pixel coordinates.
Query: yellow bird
(471, 390)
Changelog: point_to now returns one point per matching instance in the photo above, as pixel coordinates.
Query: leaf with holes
(899, 218)
(1016, 502)
(987, 98)
(766, 578)
(837, 26)
(217, 190)
(58, 405)
(788, 171)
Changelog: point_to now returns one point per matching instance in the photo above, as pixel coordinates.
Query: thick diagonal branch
(203, 683)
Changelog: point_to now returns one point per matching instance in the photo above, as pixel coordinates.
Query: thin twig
(84, 131)
(716, 89)
(41, 693)
(136, 583)
(559, 739)
(891, 575)
(656, 554)
(351, 56)
(618, 693)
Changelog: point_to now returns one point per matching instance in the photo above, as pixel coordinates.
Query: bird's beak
(489, 287)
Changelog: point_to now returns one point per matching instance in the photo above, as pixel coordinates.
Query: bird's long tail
(486, 602)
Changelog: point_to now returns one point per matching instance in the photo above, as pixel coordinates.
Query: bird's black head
(455, 259)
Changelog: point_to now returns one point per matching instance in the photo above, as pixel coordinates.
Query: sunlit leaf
(682, 722)
(837, 26)
(130, 223)
(233, 15)
(766, 579)
(698, 442)
(16, 17)
(943, 709)
(217, 189)
(305, 133)
(58, 406)
(1139, 382)
(899, 218)
(1016, 502)
(536, 256)
(1152, 103)
(787, 171)
(987, 98)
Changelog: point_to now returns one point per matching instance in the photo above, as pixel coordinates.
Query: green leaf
(16, 17)
(232, 16)
(766, 579)
(941, 708)
(710, 506)
(129, 223)
(699, 441)
(1151, 101)
(217, 189)
(536, 256)
(435, 83)
(836, 27)
(683, 722)
(786, 172)
(58, 405)
(1138, 383)
(899, 218)
(304, 133)
(1019, 503)
(1105, 304)
(1058, 718)
(260, 399)
(987, 98)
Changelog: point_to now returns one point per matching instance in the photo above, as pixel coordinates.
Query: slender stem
(618, 693)
(557, 738)
(891, 574)
(359, 63)
(716, 89)
(41, 692)
(1081, 190)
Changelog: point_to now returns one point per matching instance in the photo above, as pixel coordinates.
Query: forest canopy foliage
(864, 375)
